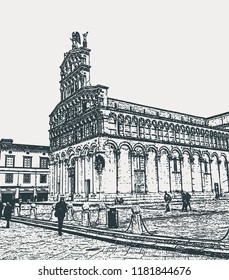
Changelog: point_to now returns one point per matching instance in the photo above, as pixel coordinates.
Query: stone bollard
(17, 209)
(69, 214)
(33, 210)
(86, 214)
(136, 225)
(53, 217)
(102, 214)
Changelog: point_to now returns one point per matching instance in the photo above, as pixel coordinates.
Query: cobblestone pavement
(21, 242)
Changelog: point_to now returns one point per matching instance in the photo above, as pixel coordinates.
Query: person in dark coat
(7, 214)
(60, 210)
(1, 208)
(167, 199)
(188, 197)
(184, 201)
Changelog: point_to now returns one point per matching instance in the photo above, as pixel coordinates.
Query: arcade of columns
(130, 167)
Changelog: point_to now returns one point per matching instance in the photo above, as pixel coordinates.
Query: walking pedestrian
(167, 199)
(184, 202)
(7, 214)
(188, 197)
(60, 210)
(1, 208)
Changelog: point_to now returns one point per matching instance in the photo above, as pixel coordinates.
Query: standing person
(188, 197)
(184, 201)
(60, 210)
(167, 199)
(1, 208)
(7, 214)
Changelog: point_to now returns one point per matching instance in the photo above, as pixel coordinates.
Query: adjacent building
(24, 171)
(104, 146)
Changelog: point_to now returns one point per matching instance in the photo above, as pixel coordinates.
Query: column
(226, 166)
(54, 177)
(201, 160)
(117, 156)
(70, 183)
(191, 161)
(51, 174)
(61, 177)
(82, 189)
(170, 181)
(157, 158)
(132, 171)
(218, 164)
(181, 158)
(84, 173)
(58, 177)
(65, 178)
(76, 176)
(92, 174)
(145, 164)
(210, 166)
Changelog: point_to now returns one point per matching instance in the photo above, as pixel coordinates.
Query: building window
(27, 162)
(205, 167)
(44, 162)
(43, 178)
(9, 161)
(27, 178)
(175, 166)
(139, 163)
(9, 178)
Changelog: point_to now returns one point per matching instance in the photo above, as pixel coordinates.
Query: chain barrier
(144, 225)
(226, 235)
(136, 224)
(130, 223)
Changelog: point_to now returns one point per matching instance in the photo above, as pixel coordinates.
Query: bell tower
(75, 68)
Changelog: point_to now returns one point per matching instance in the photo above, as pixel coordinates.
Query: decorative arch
(164, 148)
(139, 145)
(186, 151)
(125, 143)
(78, 151)
(214, 154)
(112, 143)
(152, 148)
(70, 151)
(63, 155)
(176, 150)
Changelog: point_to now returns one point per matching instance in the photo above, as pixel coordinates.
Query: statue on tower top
(75, 39)
(85, 39)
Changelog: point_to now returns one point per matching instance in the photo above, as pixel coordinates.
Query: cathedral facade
(105, 146)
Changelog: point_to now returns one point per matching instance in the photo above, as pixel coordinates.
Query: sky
(172, 55)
